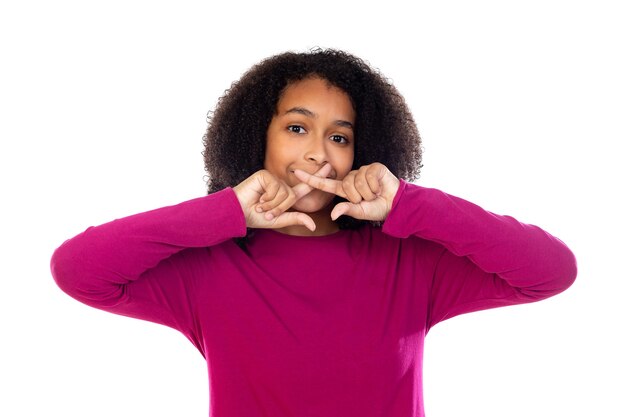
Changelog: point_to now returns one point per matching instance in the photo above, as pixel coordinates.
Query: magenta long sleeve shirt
(327, 326)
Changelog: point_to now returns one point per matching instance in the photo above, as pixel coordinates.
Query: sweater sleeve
(486, 260)
(137, 266)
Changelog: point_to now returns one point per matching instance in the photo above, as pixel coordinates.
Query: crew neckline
(270, 232)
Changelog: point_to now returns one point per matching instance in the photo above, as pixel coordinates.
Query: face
(313, 126)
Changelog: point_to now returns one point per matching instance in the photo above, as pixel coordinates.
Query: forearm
(95, 265)
(524, 255)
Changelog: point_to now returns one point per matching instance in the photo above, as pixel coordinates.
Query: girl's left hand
(370, 190)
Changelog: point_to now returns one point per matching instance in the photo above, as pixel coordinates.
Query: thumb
(352, 210)
(291, 218)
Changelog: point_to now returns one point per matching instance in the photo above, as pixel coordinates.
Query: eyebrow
(308, 113)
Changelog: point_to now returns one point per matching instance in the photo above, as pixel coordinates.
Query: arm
(487, 260)
(136, 265)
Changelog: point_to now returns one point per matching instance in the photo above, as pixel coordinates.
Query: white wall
(102, 109)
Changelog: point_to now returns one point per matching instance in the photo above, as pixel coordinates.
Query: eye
(296, 129)
(339, 139)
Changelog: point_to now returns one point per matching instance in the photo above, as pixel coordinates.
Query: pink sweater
(312, 326)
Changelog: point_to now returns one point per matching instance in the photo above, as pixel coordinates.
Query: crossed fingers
(279, 197)
(356, 186)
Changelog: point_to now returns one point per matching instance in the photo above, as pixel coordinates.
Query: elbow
(73, 271)
(63, 267)
(70, 270)
(569, 270)
(564, 268)
(557, 273)
(560, 275)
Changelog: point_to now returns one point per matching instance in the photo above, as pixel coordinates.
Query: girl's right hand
(262, 192)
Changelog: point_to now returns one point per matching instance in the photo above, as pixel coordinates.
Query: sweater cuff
(395, 224)
(234, 221)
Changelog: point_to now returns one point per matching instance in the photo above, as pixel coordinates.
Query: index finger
(324, 184)
(303, 189)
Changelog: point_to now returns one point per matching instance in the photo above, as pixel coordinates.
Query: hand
(370, 191)
(264, 200)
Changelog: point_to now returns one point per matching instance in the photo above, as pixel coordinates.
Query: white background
(521, 106)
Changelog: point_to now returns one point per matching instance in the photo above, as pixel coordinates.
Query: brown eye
(296, 129)
(339, 139)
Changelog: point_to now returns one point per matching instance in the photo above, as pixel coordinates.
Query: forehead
(318, 94)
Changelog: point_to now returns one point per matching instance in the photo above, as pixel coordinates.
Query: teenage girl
(310, 274)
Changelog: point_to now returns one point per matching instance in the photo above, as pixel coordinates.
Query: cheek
(347, 168)
(350, 160)
(274, 149)
(343, 164)
(273, 157)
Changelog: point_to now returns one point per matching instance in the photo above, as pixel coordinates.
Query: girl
(311, 273)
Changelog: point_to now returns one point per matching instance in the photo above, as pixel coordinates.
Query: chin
(312, 202)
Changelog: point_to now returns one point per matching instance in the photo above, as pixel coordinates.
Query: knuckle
(355, 198)
(359, 183)
(288, 201)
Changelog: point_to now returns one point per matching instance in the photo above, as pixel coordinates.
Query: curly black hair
(385, 132)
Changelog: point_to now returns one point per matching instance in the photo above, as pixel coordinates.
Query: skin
(308, 160)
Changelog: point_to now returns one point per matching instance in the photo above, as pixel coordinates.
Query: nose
(316, 152)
